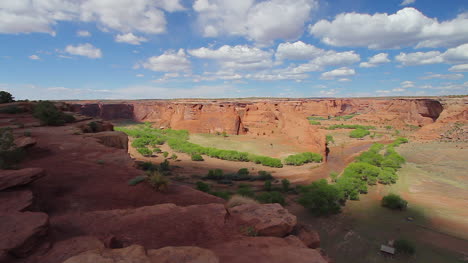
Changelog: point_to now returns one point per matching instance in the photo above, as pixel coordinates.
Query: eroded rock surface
(20, 232)
(15, 201)
(11, 178)
(266, 219)
(138, 254)
(114, 139)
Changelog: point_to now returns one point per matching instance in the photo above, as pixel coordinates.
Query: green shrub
(165, 154)
(321, 198)
(267, 186)
(264, 176)
(6, 97)
(145, 151)
(243, 171)
(387, 177)
(164, 166)
(388, 127)
(302, 158)
(329, 139)
(148, 166)
(157, 150)
(174, 156)
(245, 190)
(394, 201)
(271, 197)
(9, 154)
(197, 157)
(48, 114)
(136, 180)
(314, 122)
(216, 174)
(158, 181)
(334, 176)
(316, 118)
(201, 186)
(12, 109)
(359, 133)
(404, 246)
(285, 185)
(350, 126)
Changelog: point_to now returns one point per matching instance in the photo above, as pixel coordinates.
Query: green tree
(48, 114)
(267, 185)
(394, 201)
(321, 198)
(6, 97)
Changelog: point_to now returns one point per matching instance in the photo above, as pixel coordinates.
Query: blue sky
(149, 49)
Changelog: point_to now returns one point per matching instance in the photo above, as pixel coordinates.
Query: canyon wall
(265, 117)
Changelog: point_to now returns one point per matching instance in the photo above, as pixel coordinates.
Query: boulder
(307, 235)
(68, 248)
(20, 232)
(266, 219)
(138, 254)
(10, 178)
(15, 201)
(265, 250)
(93, 126)
(25, 142)
(116, 139)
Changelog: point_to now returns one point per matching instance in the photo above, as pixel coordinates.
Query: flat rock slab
(20, 232)
(25, 142)
(138, 254)
(266, 219)
(116, 139)
(68, 248)
(11, 178)
(15, 201)
(266, 250)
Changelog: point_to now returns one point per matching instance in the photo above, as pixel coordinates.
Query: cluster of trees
(6, 97)
(48, 114)
(178, 141)
(230, 155)
(350, 126)
(377, 165)
(302, 158)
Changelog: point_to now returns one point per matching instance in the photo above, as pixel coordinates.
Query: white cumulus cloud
(375, 60)
(297, 51)
(406, 27)
(86, 50)
(408, 2)
(239, 57)
(83, 33)
(459, 68)
(169, 61)
(262, 22)
(451, 56)
(130, 38)
(338, 73)
(34, 57)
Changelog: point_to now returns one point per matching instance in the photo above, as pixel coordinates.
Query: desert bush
(6, 97)
(334, 176)
(329, 139)
(12, 109)
(158, 181)
(144, 151)
(216, 174)
(359, 133)
(9, 154)
(264, 176)
(398, 142)
(164, 166)
(174, 156)
(245, 190)
(350, 126)
(243, 171)
(271, 197)
(267, 185)
(388, 127)
(321, 198)
(404, 246)
(387, 177)
(204, 187)
(316, 118)
(148, 166)
(394, 201)
(302, 158)
(48, 114)
(157, 150)
(285, 183)
(370, 157)
(165, 154)
(237, 200)
(197, 157)
(136, 180)
(314, 122)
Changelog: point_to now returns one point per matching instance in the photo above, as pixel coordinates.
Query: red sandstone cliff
(271, 117)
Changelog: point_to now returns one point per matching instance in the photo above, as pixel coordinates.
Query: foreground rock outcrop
(11, 178)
